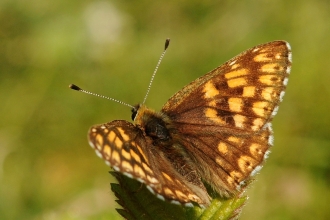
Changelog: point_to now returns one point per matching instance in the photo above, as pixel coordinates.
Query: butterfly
(215, 131)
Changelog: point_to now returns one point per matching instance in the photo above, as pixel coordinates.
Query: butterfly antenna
(77, 88)
(167, 42)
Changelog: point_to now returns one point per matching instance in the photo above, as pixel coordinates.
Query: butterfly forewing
(216, 130)
(224, 116)
(251, 84)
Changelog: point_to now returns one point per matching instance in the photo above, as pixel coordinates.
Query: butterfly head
(134, 111)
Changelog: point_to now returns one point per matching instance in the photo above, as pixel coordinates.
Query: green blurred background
(48, 170)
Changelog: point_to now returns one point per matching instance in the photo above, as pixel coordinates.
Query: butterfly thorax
(155, 125)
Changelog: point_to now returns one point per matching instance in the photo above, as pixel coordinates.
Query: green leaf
(139, 203)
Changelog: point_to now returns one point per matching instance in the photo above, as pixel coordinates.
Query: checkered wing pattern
(215, 131)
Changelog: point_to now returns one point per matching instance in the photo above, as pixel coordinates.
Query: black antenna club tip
(74, 87)
(167, 42)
